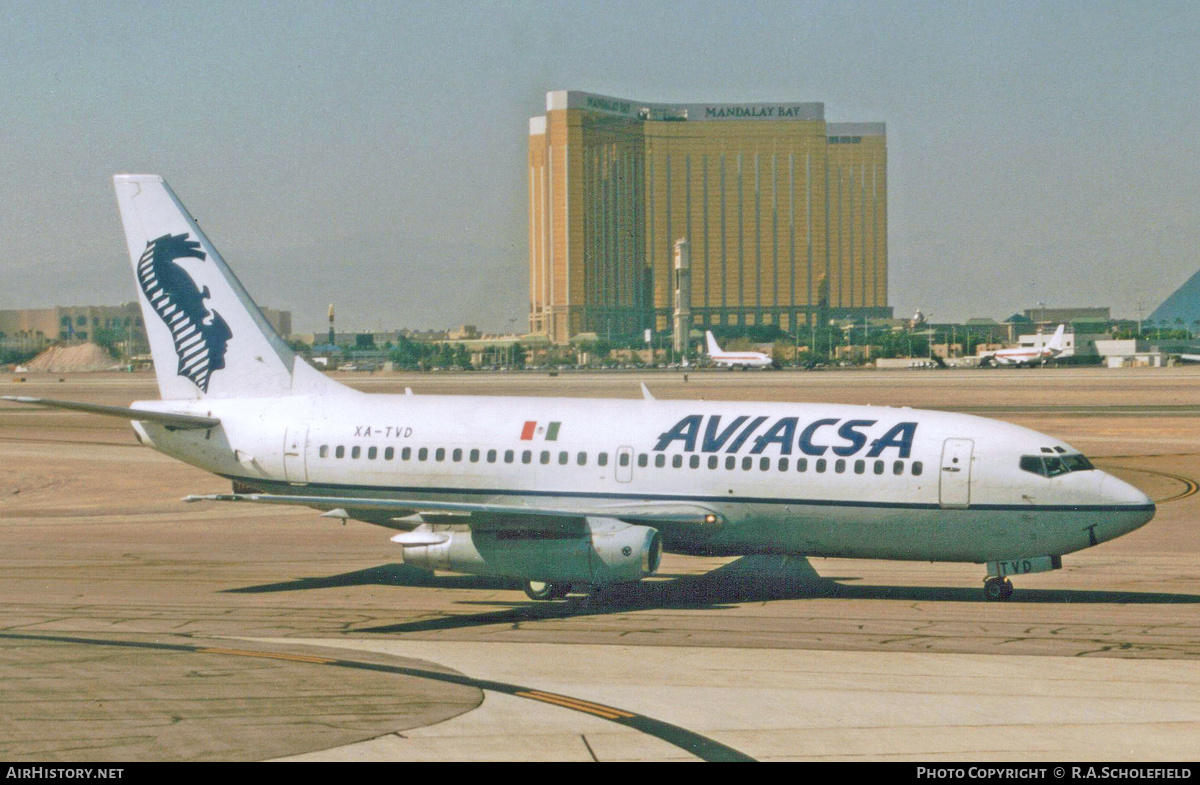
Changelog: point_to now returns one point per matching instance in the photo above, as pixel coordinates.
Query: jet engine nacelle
(599, 551)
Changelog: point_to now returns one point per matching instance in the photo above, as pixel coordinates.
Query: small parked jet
(557, 493)
(1027, 355)
(736, 359)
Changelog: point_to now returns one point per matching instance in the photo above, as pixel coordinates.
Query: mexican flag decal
(531, 428)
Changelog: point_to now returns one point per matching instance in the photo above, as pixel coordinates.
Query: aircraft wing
(489, 514)
(171, 419)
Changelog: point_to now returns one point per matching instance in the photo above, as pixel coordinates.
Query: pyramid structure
(1183, 304)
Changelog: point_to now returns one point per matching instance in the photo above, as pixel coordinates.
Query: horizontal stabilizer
(181, 421)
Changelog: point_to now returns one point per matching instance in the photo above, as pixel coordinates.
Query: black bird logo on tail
(200, 334)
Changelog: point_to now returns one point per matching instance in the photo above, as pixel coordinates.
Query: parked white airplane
(1028, 355)
(736, 359)
(561, 492)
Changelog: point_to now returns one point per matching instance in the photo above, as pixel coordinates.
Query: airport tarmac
(136, 627)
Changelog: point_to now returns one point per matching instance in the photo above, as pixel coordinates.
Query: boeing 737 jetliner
(736, 359)
(1028, 355)
(558, 493)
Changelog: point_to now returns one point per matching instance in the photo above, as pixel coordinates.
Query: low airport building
(39, 327)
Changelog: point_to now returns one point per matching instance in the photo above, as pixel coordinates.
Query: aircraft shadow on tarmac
(749, 579)
(383, 575)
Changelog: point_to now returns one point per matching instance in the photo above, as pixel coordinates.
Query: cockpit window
(1077, 463)
(1054, 465)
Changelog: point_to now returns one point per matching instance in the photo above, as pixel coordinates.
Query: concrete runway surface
(136, 627)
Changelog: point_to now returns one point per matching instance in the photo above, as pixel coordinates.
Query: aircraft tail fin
(207, 336)
(1056, 341)
(713, 347)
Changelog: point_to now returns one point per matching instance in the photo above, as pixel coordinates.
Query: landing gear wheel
(997, 588)
(543, 590)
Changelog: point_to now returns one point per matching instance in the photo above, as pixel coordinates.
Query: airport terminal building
(38, 327)
(786, 215)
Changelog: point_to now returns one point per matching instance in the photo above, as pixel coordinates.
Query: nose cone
(1117, 491)
(1133, 507)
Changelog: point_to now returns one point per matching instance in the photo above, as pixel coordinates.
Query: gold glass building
(786, 214)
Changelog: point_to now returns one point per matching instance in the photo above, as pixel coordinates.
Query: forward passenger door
(954, 486)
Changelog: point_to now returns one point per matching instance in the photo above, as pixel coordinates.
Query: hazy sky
(373, 155)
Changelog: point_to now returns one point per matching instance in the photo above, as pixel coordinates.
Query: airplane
(733, 360)
(1027, 355)
(564, 494)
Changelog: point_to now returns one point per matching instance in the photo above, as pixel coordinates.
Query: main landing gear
(544, 590)
(997, 588)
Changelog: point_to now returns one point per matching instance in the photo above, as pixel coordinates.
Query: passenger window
(602, 459)
(764, 463)
(839, 465)
(801, 464)
(440, 454)
(879, 467)
(581, 459)
(783, 464)
(747, 462)
(713, 461)
(821, 466)
(355, 451)
(694, 462)
(730, 462)
(372, 453)
(660, 461)
(916, 468)
(389, 453)
(526, 456)
(860, 466)
(340, 452)
(324, 451)
(898, 467)
(544, 457)
(563, 458)
(491, 456)
(677, 461)
(422, 453)
(643, 459)
(508, 456)
(623, 459)
(406, 453)
(474, 456)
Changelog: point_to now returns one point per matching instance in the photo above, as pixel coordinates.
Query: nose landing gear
(996, 588)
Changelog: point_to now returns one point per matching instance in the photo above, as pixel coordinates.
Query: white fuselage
(806, 479)
(742, 359)
(1022, 356)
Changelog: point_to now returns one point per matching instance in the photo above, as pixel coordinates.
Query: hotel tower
(785, 215)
